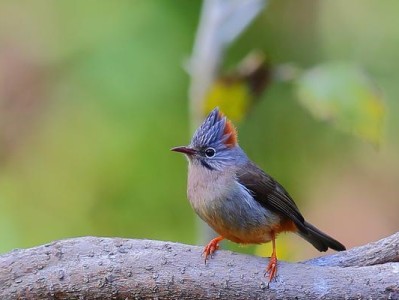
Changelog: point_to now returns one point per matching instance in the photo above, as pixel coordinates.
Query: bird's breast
(228, 207)
(204, 186)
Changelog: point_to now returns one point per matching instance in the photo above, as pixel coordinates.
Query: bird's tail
(320, 240)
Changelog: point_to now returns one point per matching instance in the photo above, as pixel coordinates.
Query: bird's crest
(215, 128)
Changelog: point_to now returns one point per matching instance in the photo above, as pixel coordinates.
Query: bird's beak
(185, 150)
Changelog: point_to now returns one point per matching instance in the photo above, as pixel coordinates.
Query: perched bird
(236, 198)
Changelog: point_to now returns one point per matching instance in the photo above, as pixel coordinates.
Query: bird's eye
(210, 152)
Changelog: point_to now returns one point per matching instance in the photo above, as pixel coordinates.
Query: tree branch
(114, 268)
(377, 253)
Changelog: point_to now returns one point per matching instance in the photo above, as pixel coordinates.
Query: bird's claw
(212, 246)
(271, 268)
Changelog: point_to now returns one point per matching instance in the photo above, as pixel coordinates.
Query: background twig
(221, 22)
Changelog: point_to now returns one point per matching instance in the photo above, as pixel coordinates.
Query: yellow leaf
(236, 92)
(232, 96)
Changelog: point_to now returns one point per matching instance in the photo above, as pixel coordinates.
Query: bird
(236, 198)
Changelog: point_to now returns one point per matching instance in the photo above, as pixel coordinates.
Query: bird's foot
(272, 268)
(211, 247)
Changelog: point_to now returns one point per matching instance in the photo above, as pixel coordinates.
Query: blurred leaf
(232, 96)
(236, 92)
(344, 95)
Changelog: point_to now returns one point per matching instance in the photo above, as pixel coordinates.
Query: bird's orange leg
(272, 266)
(212, 247)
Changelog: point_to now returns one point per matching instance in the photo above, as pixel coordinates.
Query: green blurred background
(93, 95)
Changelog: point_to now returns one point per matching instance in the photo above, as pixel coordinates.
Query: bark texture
(114, 268)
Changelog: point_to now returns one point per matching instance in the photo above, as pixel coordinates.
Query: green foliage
(343, 95)
(96, 160)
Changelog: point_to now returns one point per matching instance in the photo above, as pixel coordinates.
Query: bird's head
(214, 145)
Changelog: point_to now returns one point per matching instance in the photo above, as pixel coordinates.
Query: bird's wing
(269, 193)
